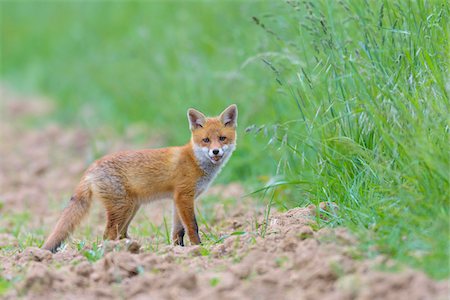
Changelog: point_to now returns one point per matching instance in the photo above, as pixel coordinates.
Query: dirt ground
(40, 167)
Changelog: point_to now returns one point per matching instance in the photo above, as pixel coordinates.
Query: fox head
(213, 139)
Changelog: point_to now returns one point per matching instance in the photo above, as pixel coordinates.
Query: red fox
(125, 180)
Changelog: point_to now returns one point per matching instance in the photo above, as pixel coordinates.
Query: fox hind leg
(117, 216)
(124, 230)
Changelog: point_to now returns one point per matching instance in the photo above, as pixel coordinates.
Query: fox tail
(71, 217)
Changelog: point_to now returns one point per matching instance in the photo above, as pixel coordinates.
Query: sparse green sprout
(80, 245)
(337, 269)
(5, 285)
(95, 253)
(238, 233)
(281, 261)
(214, 281)
(204, 251)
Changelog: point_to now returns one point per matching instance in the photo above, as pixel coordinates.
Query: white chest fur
(204, 182)
(209, 168)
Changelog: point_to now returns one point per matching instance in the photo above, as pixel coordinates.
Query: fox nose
(215, 151)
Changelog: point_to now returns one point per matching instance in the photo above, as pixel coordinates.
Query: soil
(286, 258)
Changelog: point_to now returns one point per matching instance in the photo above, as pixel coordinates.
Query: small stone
(133, 246)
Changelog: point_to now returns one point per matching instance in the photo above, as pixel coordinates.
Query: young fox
(125, 180)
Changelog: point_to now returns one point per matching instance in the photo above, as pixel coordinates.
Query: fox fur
(126, 180)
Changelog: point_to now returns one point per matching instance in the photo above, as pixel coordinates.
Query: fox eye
(222, 138)
(206, 140)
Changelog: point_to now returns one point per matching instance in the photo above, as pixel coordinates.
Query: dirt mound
(282, 257)
(291, 262)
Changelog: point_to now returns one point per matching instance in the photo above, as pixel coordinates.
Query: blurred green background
(344, 101)
(145, 62)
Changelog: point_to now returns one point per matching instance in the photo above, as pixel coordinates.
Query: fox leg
(117, 216)
(124, 230)
(184, 204)
(177, 229)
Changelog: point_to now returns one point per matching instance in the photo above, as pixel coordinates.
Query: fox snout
(215, 154)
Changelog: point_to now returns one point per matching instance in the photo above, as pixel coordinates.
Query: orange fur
(125, 180)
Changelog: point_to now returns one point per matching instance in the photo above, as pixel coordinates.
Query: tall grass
(369, 82)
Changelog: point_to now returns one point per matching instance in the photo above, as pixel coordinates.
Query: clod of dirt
(300, 231)
(350, 285)
(296, 216)
(236, 224)
(407, 285)
(34, 254)
(116, 266)
(187, 281)
(194, 250)
(131, 246)
(39, 279)
(84, 269)
(103, 293)
(221, 281)
(140, 285)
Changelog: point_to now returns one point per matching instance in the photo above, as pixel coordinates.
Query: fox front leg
(177, 229)
(184, 204)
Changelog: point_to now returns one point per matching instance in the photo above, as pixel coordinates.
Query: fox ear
(229, 116)
(196, 118)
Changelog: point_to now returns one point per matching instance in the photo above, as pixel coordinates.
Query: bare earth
(40, 167)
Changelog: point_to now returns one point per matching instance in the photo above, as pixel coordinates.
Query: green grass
(371, 134)
(95, 253)
(5, 285)
(349, 98)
